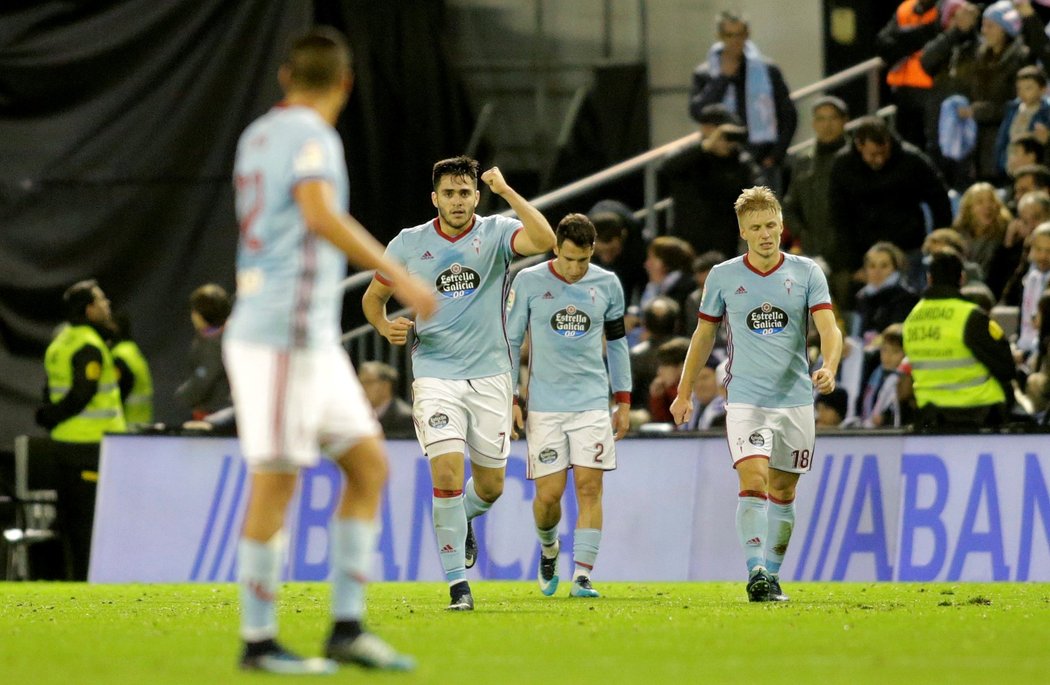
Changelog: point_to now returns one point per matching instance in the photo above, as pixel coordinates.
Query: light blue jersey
(567, 324)
(287, 277)
(466, 336)
(766, 317)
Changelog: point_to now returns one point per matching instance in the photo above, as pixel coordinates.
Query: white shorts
(561, 440)
(292, 403)
(453, 414)
(785, 436)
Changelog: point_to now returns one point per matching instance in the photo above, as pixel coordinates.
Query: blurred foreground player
(765, 298)
(294, 389)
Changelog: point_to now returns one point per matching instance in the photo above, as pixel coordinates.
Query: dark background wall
(118, 123)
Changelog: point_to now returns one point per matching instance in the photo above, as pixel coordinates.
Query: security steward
(136, 382)
(962, 370)
(83, 394)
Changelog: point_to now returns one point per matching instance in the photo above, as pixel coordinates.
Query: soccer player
(293, 387)
(570, 307)
(461, 361)
(765, 298)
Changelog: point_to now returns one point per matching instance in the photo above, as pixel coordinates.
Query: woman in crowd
(982, 219)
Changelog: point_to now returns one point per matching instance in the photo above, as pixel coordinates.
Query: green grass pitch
(649, 633)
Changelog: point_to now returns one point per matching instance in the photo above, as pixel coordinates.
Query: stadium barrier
(873, 508)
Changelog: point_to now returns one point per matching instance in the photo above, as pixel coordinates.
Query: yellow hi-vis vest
(103, 414)
(944, 371)
(138, 405)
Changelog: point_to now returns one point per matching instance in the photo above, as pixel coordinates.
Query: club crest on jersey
(548, 456)
(477, 244)
(788, 284)
(570, 322)
(457, 281)
(767, 320)
(438, 420)
(756, 439)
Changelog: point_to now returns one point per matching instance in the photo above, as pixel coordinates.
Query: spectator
(950, 58)
(618, 245)
(1037, 386)
(1029, 112)
(1023, 150)
(1033, 31)
(885, 299)
(709, 398)
(704, 181)
(1034, 283)
(982, 220)
(878, 187)
(136, 382)
(1001, 55)
(1027, 179)
(960, 361)
(880, 407)
(900, 44)
(831, 410)
(737, 75)
(668, 263)
(702, 266)
(950, 239)
(82, 400)
(661, 320)
(379, 382)
(670, 358)
(1032, 210)
(207, 389)
(980, 295)
(807, 207)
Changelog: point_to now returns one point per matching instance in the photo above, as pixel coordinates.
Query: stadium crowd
(962, 166)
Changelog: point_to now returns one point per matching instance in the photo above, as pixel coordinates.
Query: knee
(547, 498)
(489, 488)
(446, 473)
(782, 494)
(590, 492)
(376, 473)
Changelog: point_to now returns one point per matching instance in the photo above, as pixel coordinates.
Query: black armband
(614, 330)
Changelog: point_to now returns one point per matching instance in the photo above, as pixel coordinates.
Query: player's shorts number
(599, 451)
(801, 458)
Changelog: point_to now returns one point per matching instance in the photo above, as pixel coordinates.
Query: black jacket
(868, 206)
(704, 187)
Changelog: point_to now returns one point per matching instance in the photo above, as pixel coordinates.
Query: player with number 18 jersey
(766, 317)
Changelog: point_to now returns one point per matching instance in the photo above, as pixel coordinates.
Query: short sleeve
(712, 302)
(509, 228)
(517, 309)
(819, 296)
(616, 306)
(395, 253)
(312, 160)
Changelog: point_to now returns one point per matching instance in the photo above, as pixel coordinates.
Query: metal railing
(364, 343)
